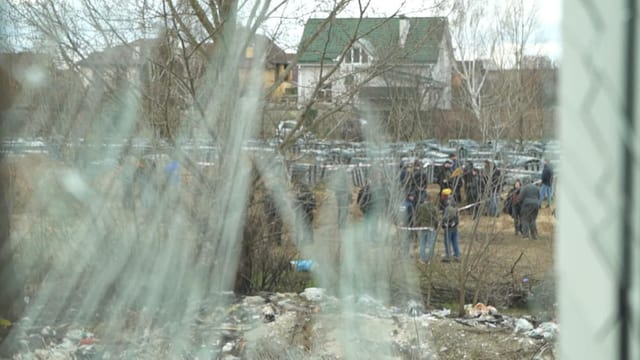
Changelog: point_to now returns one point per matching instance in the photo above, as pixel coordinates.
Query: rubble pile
(311, 325)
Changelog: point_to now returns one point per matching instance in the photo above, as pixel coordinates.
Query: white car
(286, 127)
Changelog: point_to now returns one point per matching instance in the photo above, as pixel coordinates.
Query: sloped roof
(131, 54)
(421, 46)
(273, 54)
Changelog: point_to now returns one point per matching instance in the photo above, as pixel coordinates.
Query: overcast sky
(546, 39)
(287, 24)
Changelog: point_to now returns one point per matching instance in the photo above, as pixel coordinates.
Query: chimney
(404, 30)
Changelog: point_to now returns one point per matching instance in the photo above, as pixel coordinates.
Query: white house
(378, 60)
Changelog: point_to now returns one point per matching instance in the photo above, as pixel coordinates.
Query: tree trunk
(461, 297)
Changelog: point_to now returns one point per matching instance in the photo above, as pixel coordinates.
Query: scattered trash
(75, 334)
(239, 329)
(87, 341)
(47, 331)
(546, 330)
(228, 347)
(302, 265)
(415, 308)
(441, 313)
(269, 313)
(366, 301)
(313, 294)
(480, 309)
(522, 325)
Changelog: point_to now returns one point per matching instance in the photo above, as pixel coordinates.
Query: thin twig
(513, 267)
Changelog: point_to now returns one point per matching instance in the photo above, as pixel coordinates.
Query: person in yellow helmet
(444, 197)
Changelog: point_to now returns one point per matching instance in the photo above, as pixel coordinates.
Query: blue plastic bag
(302, 265)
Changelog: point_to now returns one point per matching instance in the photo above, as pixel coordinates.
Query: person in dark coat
(450, 221)
(546, 191)
(407, 217)
(364, 199)
(419, 177)
(306, 204)
(445, 174)
(342, 192)
(427, 216)
(492, 186)
(453, 157)
(467, 171)
(512, 205)
(274, 223)
(404, 177)
(529, 203)
(370, 201)
(473, 189)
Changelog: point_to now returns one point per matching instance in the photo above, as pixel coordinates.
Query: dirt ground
(513, 273)
(499, 264)
(454, 341)
(503, 267)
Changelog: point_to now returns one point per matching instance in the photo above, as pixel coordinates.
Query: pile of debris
(481, 315)
(311, 325)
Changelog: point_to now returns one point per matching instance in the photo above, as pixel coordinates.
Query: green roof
(421, 45)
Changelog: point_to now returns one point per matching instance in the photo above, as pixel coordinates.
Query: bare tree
(475, 43)
(492, 44)
(158, 64)
(520, 90)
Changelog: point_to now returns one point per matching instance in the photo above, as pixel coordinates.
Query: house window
(279, 69)
(356, 55)
(349, 80)
(325, 93)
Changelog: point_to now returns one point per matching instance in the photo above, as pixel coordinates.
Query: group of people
(482, 188)
(523, 202)
(416, 214)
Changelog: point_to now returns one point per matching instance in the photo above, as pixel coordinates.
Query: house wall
(309, 74)
(269, 79)
(307, 79)
(441, 72)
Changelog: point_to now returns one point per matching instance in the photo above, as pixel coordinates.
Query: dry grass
(502, 260)
(500, 268)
